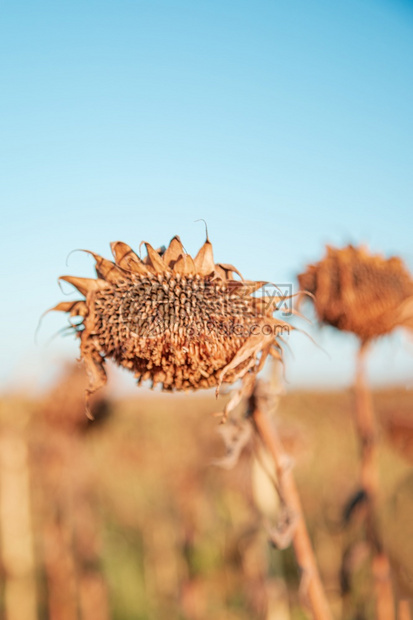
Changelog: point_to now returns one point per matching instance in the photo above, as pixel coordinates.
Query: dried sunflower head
(360, 292)
(177, 321)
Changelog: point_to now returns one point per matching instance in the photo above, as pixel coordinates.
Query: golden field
(129, 518)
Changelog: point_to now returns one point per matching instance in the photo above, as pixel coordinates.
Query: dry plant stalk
(399, 432)
(369, 296)
(403, 611)
(68, 519)
(311, 584)
(17, 545)
(70, 541)
(367, 431)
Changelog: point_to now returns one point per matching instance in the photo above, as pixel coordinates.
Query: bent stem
(369, 474)
(300, 538)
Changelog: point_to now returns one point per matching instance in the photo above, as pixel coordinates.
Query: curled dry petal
(204, 260)
(185, 265)
(85, 285)
(105, 269)
(126, 258)
(155, 260)
(173, 252)
(229, 270)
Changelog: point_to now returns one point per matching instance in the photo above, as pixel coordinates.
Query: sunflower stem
(366, 429)
(311, 581)
(404, 610)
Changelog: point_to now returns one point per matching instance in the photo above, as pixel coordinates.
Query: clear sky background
(285, 125)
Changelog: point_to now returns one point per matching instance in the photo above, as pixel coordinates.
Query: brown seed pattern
(360, 292)
(179, 322)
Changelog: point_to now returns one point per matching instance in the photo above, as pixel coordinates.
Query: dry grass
(180, 538)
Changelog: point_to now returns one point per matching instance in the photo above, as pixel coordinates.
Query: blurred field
(127, 518)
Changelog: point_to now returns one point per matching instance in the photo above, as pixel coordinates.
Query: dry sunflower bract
(360, 292)
(180, 322)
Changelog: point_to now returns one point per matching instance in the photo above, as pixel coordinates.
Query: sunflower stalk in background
(369, 296)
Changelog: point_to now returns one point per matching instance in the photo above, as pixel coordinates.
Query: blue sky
(285, 125)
